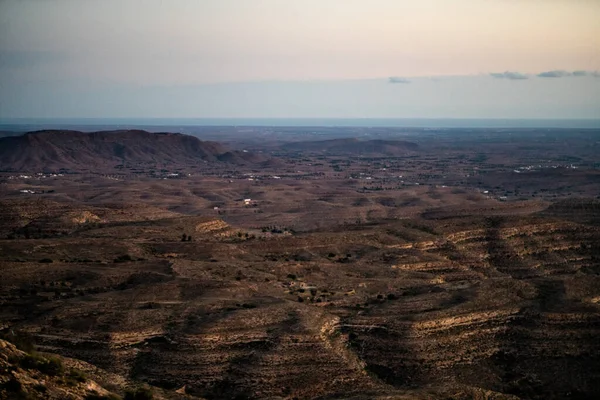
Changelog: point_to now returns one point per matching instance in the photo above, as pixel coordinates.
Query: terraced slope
(465, 307)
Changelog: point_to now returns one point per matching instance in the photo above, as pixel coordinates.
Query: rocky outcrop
(508, 308)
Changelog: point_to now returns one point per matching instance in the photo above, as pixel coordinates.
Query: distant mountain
(55, 149)
(354, 146)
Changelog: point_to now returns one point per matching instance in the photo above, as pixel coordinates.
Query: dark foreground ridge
(52, 150)
(471, 307)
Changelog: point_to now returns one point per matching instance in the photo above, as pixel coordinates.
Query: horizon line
(302, 122)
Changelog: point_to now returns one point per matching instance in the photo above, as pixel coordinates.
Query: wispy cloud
(559, 73)
(554, 74)
(397, 79)
(515, 76)
(594, 74)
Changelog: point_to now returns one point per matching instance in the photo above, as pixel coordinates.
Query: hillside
(354, 146)
(469, 269)
(28, 374)
(430, 307)
(72, 150)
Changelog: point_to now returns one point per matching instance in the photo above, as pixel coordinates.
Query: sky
(300, 58)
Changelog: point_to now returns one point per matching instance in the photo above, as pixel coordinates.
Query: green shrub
(46, 364)
(21, 340)
(75, 376)
(140, 393)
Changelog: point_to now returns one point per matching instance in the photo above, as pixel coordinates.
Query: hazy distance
(300, 59)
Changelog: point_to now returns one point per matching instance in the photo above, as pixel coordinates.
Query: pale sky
(265, 58)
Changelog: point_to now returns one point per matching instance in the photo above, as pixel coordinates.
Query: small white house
(247, 201)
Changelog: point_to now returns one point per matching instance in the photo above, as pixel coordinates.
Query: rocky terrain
(298, 283)
(29, 374)
(463, 305)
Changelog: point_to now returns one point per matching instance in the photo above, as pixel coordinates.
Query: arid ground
(306, 263)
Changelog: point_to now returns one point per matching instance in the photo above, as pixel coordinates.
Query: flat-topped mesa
(52, 150)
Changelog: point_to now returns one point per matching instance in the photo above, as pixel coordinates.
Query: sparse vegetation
(139, 393)
(400, 266)
(46, 364)
(75, 377)
(22, 340)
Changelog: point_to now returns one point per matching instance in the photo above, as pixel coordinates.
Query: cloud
(594, 74)
(514, 76)
(559, 73)
(554, 74)
(396, 79)
(581, 73)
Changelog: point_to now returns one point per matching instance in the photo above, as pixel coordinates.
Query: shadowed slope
(53, 150)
